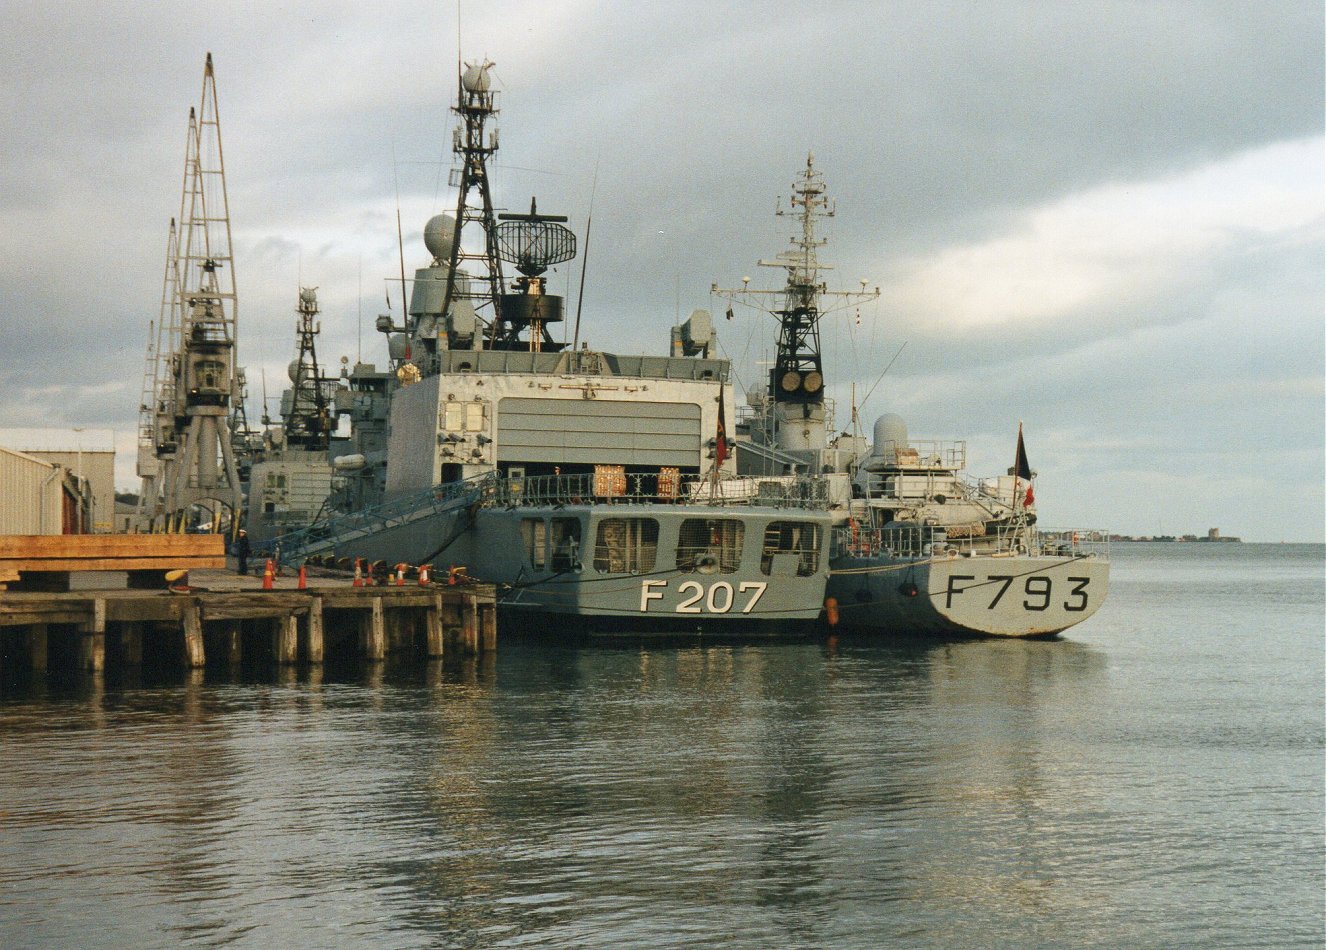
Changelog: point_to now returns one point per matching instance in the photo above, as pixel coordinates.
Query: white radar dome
(475, 78)
(438, 233)
(890, 434)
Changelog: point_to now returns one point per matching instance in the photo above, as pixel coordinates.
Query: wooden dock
(223, 618)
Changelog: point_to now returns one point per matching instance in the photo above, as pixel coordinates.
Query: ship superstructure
(597, 489)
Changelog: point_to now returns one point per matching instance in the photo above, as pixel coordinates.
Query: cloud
(1109, 248)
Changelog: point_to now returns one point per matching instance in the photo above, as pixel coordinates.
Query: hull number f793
(1036, 590)
(717, 598)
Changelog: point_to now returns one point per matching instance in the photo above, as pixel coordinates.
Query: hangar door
(592, 431)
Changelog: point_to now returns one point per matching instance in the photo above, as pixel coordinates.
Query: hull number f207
(718, 598)
(1037, 590)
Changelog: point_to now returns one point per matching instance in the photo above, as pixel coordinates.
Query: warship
(597, 490)
(917, 546)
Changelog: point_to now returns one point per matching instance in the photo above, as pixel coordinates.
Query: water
(1154, 779)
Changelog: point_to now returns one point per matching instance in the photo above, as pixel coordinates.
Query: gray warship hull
(957, 596)
(568, 561)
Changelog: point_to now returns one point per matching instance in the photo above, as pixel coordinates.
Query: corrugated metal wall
(568, 431)
(29, 489)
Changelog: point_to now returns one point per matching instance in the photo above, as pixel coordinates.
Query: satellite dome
(308, 296)
(437, 236)
(293, 370)
(890, 434)
(475, 79)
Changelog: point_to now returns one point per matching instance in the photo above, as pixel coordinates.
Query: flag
(720, 438)
(1021, 467)
(1029, 499)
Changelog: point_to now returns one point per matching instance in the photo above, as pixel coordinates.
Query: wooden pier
(221, 618)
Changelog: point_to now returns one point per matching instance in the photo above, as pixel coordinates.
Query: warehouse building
(39, 497)
(88, 454)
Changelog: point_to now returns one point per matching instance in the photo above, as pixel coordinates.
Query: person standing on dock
(242, 552)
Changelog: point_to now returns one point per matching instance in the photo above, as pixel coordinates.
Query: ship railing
(924, 453)
(617, 488)
(934, 541)
(1074, 542)
(294, 546)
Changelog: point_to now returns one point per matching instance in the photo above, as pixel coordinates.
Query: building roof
(27, 458)
(58, 440)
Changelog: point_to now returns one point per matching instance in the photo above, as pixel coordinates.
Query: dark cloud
(954, 136)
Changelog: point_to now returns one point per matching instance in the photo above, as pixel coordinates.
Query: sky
(1103, 221)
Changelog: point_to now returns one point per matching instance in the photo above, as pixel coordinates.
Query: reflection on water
(842, 794)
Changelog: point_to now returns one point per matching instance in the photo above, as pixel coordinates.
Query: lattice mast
(476, 102)
(207, 381)
(156, 416)
(796, 382)
(309, 424)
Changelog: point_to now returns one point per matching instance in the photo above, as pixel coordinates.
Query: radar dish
(813, 382)
(534, 246)
(790, 381)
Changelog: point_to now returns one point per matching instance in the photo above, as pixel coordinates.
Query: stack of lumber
(60, 554)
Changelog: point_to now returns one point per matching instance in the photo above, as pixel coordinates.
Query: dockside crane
(190, 430)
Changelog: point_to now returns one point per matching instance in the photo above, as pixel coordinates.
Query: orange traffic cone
(267, 575)
(400, 574)
(303, 580)
(425, 575)
(359, 577)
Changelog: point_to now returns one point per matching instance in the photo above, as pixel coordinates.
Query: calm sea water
(1153, 779)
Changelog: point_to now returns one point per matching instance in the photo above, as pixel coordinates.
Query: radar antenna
(532, 242)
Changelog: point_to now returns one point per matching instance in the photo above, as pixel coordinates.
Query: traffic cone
(359, 577)
(267, 575)
(303, 580)
(425, 575)
(400, 575)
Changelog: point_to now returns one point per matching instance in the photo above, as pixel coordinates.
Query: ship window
(792, 537)
(453, 418)
(534, 534)
(710, 545)
(474, 417)
(626, 545)
(565, 535)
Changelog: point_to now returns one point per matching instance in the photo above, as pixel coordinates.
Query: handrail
(293, 546)
(654, 488)
(921, 541)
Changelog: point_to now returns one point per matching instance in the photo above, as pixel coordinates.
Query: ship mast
(475, 103)
(308, 425)
(796, 381)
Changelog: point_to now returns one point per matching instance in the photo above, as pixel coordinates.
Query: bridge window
(792, 537)
(565, 537)
(710, 545)
(626, 545)
(534, 534)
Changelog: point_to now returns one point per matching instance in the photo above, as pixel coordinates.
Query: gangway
(337, 535)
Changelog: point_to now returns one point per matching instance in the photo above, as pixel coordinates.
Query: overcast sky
(1103, 219)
